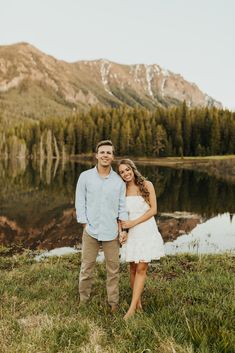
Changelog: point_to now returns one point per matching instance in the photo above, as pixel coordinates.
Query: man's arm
(122, 213)
(80, 200)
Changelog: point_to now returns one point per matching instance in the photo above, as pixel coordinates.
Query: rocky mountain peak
(101, 82)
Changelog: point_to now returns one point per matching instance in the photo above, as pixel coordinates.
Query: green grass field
(187, 307)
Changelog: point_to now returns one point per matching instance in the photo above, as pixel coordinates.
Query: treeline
(178, 131)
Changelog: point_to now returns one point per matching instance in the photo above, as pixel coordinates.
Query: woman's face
(126, 172)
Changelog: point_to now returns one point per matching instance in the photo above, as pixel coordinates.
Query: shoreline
(163, 161)
(222, 167)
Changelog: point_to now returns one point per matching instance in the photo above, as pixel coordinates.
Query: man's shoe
(114, 309)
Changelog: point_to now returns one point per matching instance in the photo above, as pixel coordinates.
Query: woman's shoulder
(148, 184)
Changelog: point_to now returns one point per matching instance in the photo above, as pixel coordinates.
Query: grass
(187, 302)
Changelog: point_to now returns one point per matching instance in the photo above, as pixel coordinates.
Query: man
(100, 202)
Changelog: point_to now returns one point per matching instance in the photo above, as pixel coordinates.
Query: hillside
(37, 85)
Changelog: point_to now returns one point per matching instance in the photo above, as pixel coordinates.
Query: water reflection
(213, 236)
(57, 252)
(37, 202)
(216, 235)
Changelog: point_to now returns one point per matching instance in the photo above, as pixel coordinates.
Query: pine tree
(160, 142)
(215, 136)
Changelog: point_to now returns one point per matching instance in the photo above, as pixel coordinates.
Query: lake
(196, 212)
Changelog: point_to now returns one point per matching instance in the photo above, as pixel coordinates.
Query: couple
(116, 209)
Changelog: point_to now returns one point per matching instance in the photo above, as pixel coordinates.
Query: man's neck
(103, 171)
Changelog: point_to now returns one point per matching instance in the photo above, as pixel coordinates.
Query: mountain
(34, 84)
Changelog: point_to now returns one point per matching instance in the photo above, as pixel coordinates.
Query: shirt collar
(107, 176)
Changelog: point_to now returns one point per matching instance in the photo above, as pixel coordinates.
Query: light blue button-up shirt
(100, 201)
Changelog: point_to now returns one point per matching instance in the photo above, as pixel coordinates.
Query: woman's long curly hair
(139, 179)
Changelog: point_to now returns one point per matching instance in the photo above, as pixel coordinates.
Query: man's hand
(122, 237)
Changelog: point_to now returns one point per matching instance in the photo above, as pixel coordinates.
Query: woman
(144, 242)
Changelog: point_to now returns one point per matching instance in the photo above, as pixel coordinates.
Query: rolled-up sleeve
(122, 213)
(80, 199)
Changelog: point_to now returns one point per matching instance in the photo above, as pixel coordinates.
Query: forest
(176, 131)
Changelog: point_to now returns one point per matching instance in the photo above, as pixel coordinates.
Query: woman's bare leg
(133, 267)
(138, 286)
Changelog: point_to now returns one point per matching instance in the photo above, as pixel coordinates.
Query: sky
(194, 38)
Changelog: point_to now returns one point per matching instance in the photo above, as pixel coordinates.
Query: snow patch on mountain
(165, 72)
(104, 71)
(5, 86)
(156, 68)
(136, 70)
(163, 86)
(149, 77)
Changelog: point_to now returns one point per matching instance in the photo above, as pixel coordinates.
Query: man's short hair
(104, 143)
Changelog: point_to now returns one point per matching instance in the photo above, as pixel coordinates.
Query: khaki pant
(90, 248)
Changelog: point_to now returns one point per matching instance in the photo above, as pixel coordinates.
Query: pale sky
(195, 38)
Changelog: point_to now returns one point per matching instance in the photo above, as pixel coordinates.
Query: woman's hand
(128, 224)
(122, 237)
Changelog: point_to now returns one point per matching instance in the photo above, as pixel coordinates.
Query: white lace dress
(144, 241)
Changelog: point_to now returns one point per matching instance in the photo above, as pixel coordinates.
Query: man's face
(105, 156)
